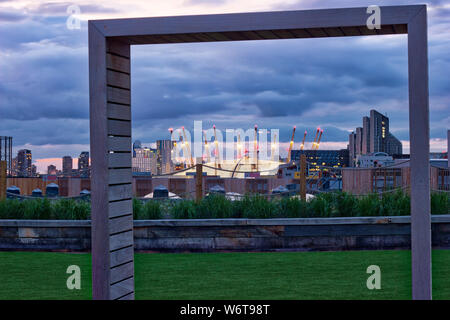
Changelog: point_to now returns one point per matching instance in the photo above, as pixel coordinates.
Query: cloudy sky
(331, 83)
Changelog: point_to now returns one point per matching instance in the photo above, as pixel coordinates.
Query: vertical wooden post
(111, 178)
(303, 177)
(2, 180)
(199, 179)
(419, 132)
(448, 151)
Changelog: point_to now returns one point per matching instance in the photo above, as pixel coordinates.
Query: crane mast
(303, 141)
(318, 141)
(315, 139)
(291, 145)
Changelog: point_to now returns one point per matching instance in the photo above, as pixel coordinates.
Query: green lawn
(287, 275)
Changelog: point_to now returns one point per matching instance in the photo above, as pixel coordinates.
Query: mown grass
(275, 275)
(216, 206)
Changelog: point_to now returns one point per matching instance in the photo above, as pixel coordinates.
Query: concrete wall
(229, 234)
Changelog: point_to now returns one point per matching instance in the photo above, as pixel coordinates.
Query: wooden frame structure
(110, 117)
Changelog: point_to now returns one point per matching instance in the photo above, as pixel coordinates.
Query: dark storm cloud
(11, 16)
(278, 78)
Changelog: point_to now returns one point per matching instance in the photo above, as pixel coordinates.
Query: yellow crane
(291, 145)
(315, 139)
(303, 141)
(318, 141)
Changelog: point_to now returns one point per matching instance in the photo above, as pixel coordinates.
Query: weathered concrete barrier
(229, 234)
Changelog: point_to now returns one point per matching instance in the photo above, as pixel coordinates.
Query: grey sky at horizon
(329, 83)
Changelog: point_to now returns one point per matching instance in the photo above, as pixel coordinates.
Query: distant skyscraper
(379, 128)
(67, 165)
(373, 137)
(352, 149)
(6, 153)
(51, 169)
(164, 159)
(83, 164)
(366, 136)
(393, 145)
(24, 163)
(145, 160)
(136, 145)
(358, 141)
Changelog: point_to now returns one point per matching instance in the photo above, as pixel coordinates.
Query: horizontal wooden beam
(253, 21)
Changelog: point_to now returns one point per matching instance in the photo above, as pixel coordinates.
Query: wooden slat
(218, 36)
(121, 224)
(120, 176)
(119, 192)
(267, 34)
(172, 38)
(139, 40)
(189, 38)
(119, 144)
(366, 31)
(252, 35)
(386, 30)
(122, 272)
(351, 31)
(120, 208)
(401, 28)
(119, 160)
(205, 37)
(118, 79)
(283, 34)
(121, 256)
(317, 32)
(118, 48)
(120, 240)
(117, 63)
(117, 95)
(118, 111)
(334, 32)
(119, 128)
(122, 288)
(236, 36)
(301, 33)
(129, 296)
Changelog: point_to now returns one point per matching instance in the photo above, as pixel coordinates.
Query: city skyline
(290, 83)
